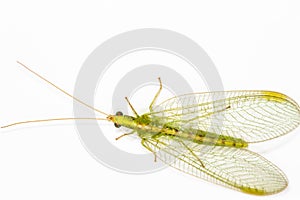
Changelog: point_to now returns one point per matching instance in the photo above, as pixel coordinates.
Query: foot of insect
(125, 134)
(154, 153)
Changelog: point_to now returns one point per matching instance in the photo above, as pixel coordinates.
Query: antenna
(66, 93)
(56, 119)
(47, 120)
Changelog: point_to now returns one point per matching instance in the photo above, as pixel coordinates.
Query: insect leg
(125, 134)
(191, 151)
(148, 148)
(157, 135)
(131, 107)
(155, 97)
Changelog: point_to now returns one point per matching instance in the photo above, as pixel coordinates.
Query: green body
(147, 127)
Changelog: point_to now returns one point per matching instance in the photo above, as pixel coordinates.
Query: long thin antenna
(54, 119)
(41, 77)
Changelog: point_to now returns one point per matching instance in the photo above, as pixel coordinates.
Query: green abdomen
(209, 138)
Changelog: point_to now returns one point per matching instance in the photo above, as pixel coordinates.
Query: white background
(255, 45)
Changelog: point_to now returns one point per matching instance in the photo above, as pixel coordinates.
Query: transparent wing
(253, 116)
(235, 168)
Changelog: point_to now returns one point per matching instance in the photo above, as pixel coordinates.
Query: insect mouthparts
(110, 117)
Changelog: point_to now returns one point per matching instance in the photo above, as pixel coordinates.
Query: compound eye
(117, 125)
(119, 113)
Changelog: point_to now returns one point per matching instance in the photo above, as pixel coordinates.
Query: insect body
(207, 134)
(145, 127)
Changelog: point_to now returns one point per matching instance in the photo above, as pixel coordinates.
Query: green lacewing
(207, 134)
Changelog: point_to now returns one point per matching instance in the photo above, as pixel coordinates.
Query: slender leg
(193, 153)
(155, 97)
(131, 107)
(157, 135)
(143, 140)
(125, 134)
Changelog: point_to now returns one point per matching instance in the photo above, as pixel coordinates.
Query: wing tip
(263, 191)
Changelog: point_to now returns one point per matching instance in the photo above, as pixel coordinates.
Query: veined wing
(235, 168)
(253, 116)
